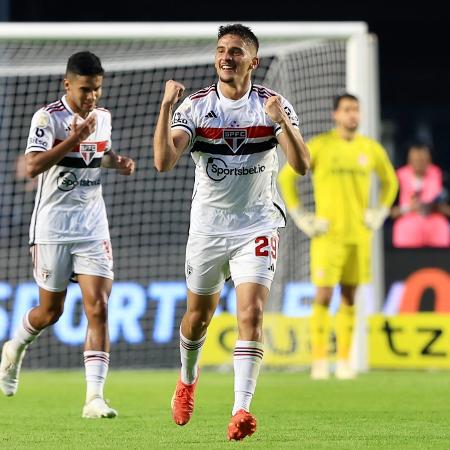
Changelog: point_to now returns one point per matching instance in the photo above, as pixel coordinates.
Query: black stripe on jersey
(36, 146)
(57, 104)
(223, 149)
(79, 163)
(176, 125)
(281, 212)
(204, 92)
(65, 107)
(250, 93)
(278, 128)
(263, 90)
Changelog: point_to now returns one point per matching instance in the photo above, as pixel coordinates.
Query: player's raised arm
(168, 144)
(39, 162)
(290, 138)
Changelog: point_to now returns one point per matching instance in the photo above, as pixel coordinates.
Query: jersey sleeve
(183, 119)
(387, 175)
(289, 109)
(108, 128)
(42, 133)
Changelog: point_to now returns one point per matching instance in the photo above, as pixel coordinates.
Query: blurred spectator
(420, 217)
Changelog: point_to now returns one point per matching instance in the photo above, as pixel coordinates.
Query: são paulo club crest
(234, 137)
(87, 151)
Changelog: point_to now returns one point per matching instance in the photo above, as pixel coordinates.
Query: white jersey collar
(233, 103)
(66, 104)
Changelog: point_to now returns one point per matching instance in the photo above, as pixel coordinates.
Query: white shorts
(54, 265)
(211, 260)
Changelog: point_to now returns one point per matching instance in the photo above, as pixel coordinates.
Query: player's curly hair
(245, 33)
(85, 64)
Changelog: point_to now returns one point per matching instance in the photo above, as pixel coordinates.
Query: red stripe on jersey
(101, 145)
(58, 103)
(263, 89)
(51, 111)
(252, 132)
(203, 93)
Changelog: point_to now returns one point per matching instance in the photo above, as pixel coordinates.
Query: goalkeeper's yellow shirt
(341, 174)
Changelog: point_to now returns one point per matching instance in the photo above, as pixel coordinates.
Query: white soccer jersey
(69, 205)
(233, 144)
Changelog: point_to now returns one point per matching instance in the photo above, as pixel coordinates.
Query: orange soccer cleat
(241, 424)
(183, 402)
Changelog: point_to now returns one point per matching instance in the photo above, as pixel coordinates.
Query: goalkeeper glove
(375, 217)
(308, 222)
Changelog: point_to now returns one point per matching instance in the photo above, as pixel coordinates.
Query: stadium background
(412, 42)
(411, 56)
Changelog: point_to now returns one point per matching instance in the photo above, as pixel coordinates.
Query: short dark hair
(420, 145)
(345, 95)
(245, 33)
(85, 64)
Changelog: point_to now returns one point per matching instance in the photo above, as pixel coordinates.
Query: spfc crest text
(87, 151)
(234, 138)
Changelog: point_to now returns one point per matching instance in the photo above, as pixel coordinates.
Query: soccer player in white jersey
(232, 129)
(69, 142)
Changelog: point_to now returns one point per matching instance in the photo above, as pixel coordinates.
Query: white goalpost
(308, 62)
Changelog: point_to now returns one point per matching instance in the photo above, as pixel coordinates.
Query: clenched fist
(172, 92)
(274, 109)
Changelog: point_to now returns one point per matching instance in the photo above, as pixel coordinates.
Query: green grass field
(382, 410)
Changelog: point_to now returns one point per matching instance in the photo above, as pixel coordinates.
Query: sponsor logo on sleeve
(178, 118)
(38, 142)
(42, 120)
(292, 116)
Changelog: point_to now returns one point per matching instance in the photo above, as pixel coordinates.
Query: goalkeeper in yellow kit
(341, 228)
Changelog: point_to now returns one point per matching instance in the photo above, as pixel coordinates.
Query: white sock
(190, 354)
(96, 365)
(247, 361)
(24, 335)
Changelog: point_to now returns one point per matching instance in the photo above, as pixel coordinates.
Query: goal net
(149, 212)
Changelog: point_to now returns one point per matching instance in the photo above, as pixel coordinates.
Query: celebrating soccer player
(342, 162)
(231, 129)
(69, 142)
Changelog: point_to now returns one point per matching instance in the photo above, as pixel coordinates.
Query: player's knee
(97, 308)
(251, 317)
(52, 315)
(348, 295)
(323, 296)
(198, 321)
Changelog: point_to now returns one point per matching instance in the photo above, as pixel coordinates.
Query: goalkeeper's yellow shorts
(336, 262)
